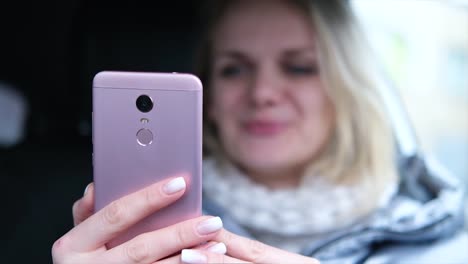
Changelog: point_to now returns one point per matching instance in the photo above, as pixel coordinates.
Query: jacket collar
(428, 206)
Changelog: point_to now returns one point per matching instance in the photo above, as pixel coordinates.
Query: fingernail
(192, 256)
(174, 186)
(86, 189)
(219, 248)
(209, 226)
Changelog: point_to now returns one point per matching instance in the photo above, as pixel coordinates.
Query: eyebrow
(289, 52)
(231, 54)
(298, 51)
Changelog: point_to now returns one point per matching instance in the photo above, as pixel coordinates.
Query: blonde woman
(300, 159)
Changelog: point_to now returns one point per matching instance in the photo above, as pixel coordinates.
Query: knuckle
(181, 235)
(58, 249)
(137, 251)
(113, 214)
(227, 237)
(256, 251)
(151, 197)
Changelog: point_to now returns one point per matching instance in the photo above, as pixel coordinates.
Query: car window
(424, 48)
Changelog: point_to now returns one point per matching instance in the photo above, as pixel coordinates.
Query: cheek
(316, 111)
(227, 103)
(226, 109)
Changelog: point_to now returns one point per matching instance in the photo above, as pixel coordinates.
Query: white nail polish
(209, 226)
(219, 248)
(174, 186)
(193, 256)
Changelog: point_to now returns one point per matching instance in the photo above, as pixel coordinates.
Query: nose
(265, 88)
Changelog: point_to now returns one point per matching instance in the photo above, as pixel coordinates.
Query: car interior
(50, 52)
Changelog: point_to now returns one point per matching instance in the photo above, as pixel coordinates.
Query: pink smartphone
(147, 127)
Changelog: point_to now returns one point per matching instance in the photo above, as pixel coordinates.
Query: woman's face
(268, 101)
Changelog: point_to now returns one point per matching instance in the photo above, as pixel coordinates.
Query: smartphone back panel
(133, 149)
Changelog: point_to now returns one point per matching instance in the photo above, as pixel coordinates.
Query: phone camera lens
(144, 103)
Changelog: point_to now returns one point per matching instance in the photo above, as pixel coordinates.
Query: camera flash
(144, 120)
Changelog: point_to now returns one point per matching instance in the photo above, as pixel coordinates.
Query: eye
(232, 71)
(300, 70)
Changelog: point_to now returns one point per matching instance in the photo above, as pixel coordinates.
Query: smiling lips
(264, 127)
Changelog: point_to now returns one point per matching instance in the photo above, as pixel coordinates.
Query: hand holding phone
(86, 242)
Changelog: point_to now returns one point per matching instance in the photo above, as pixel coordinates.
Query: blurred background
(423, 45)
(50, 51)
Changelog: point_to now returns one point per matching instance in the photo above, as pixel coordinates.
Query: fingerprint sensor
(144, 137)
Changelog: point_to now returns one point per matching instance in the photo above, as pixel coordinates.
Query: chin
(269, 161)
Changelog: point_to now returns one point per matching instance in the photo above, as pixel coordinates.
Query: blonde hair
(362, 146)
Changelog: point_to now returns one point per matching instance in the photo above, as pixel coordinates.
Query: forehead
(263, 26)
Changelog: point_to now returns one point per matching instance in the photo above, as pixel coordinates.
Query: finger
(165, 242)
(217, 248)
(203, 256)
(213, 247)
(257, 252)
(84, 207)
(177, 254)
(119, 215)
